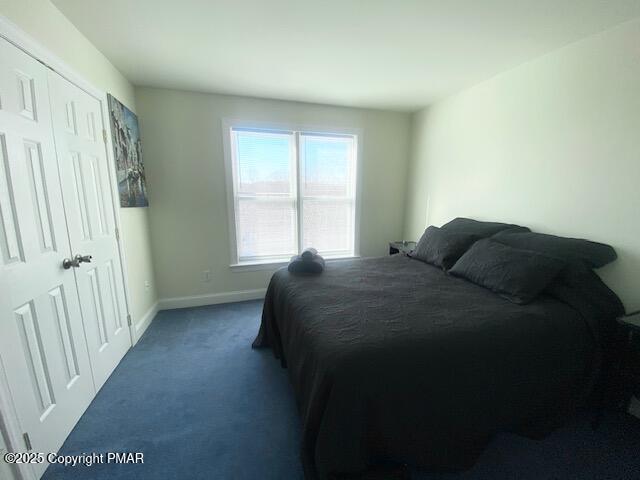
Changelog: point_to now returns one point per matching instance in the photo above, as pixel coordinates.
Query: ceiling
(389, 54)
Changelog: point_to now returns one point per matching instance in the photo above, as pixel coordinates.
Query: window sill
(276, 264)
(256, 266)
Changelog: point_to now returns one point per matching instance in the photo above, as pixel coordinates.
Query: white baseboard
(210, 299)
(141, 326)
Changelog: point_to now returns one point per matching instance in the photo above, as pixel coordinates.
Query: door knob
(75, 262)
(67, 263)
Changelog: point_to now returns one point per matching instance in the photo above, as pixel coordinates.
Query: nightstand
(629, 370)
(620, 379)
(403, 246)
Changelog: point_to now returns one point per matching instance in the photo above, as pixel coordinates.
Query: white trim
(228, 123)
(228, 170)
(275, 265)
(115, 200)
(10, 428)
(7, 470)
(358, 207)
(210, 299)
(142, 325)
(12, 33)
(257, 266)
(299, 199)
(291, 127)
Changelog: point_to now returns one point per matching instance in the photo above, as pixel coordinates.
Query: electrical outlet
(147, 285)
(206, 276)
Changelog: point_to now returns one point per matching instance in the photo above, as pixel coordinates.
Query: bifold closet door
(87, 193)
(42, 343)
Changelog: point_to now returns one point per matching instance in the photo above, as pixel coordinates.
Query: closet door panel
(42, 341)
(87, 194)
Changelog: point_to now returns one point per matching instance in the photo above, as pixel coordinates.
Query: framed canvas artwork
(127, 151)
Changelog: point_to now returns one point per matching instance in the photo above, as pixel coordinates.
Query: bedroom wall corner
(48, 26)
(416, 194)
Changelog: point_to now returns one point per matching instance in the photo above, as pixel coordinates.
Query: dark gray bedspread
(393, 360)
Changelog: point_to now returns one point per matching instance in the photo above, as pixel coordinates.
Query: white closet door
(84, 170)
(7, 472)
(42, 344)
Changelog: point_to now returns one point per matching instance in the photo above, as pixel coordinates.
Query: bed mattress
(393, 360)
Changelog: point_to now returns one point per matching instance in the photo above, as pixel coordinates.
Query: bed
(393, 360)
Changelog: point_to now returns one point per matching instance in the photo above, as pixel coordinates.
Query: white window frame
(230, 175)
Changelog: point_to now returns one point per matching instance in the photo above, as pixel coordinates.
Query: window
(291, 189)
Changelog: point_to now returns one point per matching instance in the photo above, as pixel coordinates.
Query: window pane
(264, 162)
(328, 165)
(328, 225)
(266, 227)
(266, 194)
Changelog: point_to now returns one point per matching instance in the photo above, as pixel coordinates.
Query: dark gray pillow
(578, 284)
(570, 250)
(441, 248)
(517, 275)
(482, 229)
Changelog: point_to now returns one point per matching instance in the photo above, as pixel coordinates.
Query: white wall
(553, 144)
(44, 22)
(182, 137)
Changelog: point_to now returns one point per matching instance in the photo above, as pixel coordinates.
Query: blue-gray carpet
(201, 404)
